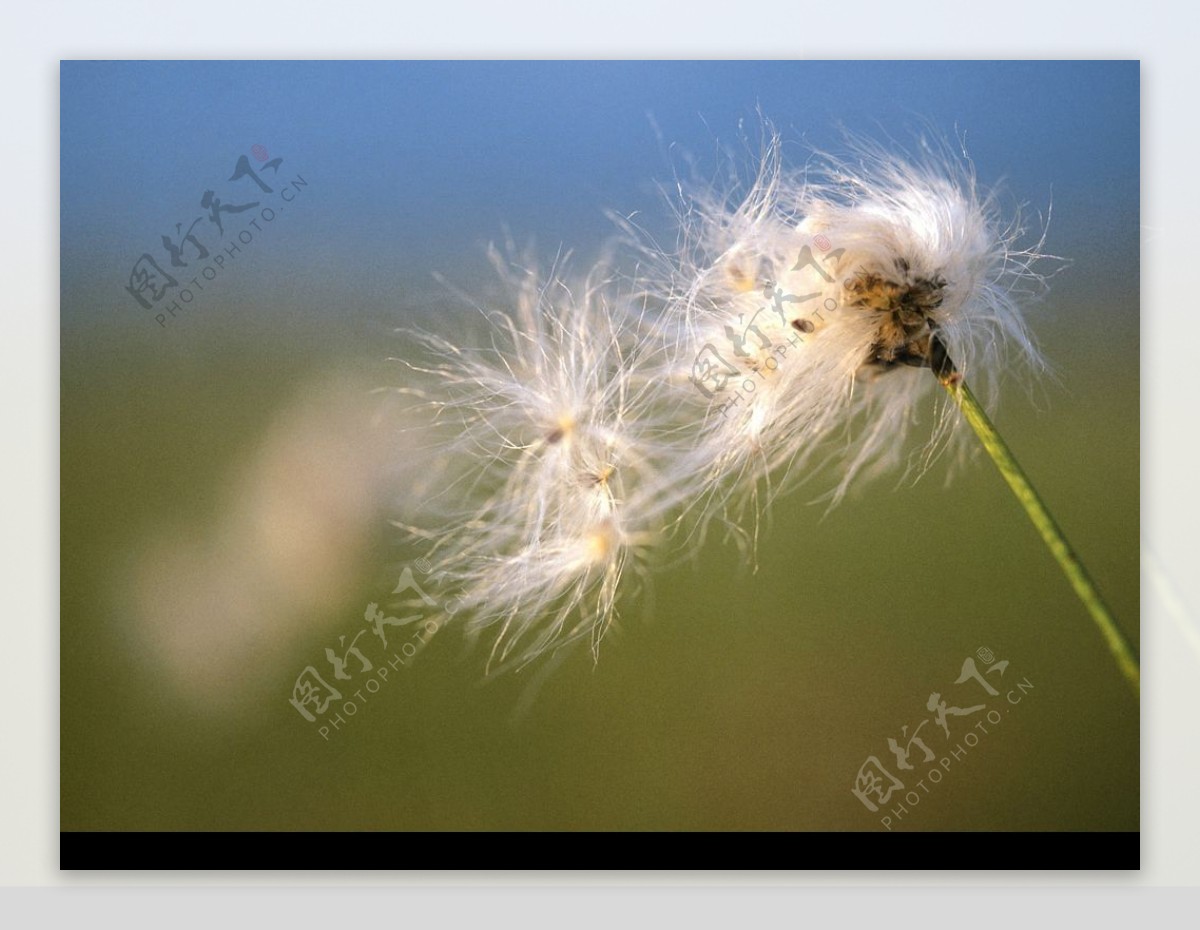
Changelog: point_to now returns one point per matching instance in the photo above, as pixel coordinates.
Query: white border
(37, 36)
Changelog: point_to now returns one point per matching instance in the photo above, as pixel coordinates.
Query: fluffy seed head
(558, 464)
(800, 309)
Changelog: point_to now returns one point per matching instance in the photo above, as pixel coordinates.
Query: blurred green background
(226, 483)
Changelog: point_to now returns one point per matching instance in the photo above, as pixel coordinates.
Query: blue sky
(413, 165)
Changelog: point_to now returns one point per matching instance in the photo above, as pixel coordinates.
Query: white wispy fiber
(560, 463)
(800, 309)
(782, 337)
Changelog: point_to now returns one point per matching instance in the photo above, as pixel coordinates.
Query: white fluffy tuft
(782, 336)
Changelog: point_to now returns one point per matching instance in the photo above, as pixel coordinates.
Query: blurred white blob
(218, 606)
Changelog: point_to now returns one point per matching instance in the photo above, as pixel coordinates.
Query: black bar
(873, 851)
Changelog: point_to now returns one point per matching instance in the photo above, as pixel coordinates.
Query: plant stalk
(952, 380)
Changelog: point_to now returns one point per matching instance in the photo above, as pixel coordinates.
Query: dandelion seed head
(564, 472)
(807, 299)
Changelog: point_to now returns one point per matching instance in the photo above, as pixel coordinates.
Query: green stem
(996, 447)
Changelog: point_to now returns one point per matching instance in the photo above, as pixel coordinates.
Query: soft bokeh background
(226, 479)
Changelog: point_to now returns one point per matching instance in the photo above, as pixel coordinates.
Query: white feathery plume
(560, 467)
(783, 334)
(799, 311)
